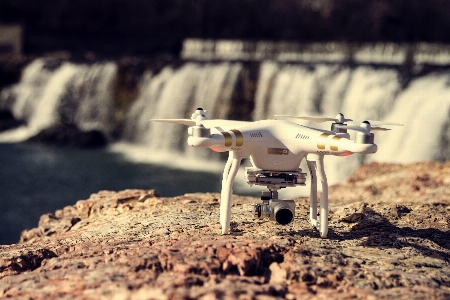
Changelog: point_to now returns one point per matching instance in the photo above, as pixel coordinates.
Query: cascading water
(88, 99)
(361, 92)
(28, 100)
(22, 97)
(285, 89)
(176, 94)
(424, 108)
(71, 93)
(142, 111)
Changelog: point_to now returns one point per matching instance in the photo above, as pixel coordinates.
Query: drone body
(276, 148)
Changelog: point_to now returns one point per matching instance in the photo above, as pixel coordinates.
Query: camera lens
(283, 215)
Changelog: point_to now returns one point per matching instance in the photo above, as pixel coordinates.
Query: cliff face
(389, 238)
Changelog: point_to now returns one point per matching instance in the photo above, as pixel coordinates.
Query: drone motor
(199, 131)
(364, 138)
(335, 127)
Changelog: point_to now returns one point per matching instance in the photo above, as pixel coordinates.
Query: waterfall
(424, 108)
(71, 93)
(36, 99)
(82, 95)
(142, 111)
(324, 89)
(176, 93)
(88, 99)
(34, 79)
(361, 92)
(285, 89)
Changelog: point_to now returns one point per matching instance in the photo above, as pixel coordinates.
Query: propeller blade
(355, 128)
(206, 123)
(380, 128)
(314, 119)
(361, 129)
(381, 123)
(187, 122)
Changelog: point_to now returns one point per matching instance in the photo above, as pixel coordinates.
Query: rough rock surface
(389, 239)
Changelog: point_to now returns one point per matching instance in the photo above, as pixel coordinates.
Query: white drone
(276, 149)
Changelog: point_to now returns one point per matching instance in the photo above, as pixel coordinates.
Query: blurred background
(80, 80)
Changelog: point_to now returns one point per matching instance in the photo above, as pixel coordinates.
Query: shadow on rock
(380, 232)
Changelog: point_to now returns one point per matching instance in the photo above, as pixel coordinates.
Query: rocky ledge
(389, 238)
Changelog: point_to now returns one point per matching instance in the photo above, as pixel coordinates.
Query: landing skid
(316, 169)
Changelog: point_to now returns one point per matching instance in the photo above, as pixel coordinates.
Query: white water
(37, 99)
(176, 94)
(93, 89)
(361, 93)
(33, 82)
(424, 107)
(42, 94)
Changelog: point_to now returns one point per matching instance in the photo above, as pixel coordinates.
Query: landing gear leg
(231, 169)
(317, 171)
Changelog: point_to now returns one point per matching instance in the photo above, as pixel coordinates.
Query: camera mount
(280, 211)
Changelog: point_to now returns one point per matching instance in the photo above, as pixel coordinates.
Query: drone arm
(348, 145)
(229, 173)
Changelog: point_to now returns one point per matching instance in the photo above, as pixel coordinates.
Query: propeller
(338, 119)
(381, 123)
(363, 135)
(187, 122)
(368, 126)
(198, 118)
(217, 123)
(365, 127)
